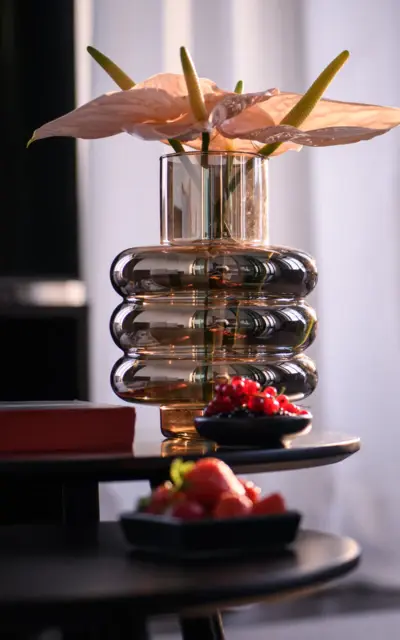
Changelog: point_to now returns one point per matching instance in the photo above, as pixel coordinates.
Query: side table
(80, 574)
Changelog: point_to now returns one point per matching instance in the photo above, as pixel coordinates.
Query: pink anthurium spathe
(163, 108)
(155, 109)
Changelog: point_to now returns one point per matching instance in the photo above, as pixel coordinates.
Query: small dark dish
(175, 538)
(257, 431)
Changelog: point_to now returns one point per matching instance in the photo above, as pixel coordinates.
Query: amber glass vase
(213, 299)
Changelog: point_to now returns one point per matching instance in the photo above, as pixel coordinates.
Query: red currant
(239, 387)
(225, 404)
(271, 406)
(270, 391)
(256, 404)
(226, 389)
(211, 409)
(291, 408)
(237, 379)
(303, 412)
(251, 387)
(283, 401)
(233, 392)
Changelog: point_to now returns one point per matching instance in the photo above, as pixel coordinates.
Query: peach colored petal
(158, 100)
(219, 143)
(110, 114)
(185, 129)
(159, 131)
(328, 136)
(175, 85)
(231, 106)
(333, 113)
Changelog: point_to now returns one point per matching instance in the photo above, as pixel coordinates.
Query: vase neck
(214, 197)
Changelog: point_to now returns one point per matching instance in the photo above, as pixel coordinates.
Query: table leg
(81, 503)
(203, 628)
(115, 628)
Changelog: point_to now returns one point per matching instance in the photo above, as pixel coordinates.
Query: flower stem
(176, 145)
(205, 142)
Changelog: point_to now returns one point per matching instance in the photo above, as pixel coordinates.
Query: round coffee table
(90, 579)
(82, 573)
(80, 473)
(147, 461)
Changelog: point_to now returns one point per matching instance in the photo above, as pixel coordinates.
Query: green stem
(205, 142)
(176, 145)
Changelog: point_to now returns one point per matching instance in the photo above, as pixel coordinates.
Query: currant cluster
(244, 397)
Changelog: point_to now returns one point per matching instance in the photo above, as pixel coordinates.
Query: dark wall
(43, 347)
(38, 214)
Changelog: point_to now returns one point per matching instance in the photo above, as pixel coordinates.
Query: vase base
(179, 423)
(177, 447)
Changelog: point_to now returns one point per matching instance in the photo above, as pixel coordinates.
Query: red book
(50, 427)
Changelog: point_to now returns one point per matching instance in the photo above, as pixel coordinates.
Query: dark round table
(86, 578)
(80, 572)
(147, 461)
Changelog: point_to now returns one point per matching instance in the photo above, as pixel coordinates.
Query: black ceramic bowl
(170, 537)
(252, 431)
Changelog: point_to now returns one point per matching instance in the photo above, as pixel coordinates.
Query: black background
(38, 220)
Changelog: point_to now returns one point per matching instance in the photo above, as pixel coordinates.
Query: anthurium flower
(330, 123)
(155, 109)
(174, 107)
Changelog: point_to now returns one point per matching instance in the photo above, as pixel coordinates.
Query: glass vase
(213, 299)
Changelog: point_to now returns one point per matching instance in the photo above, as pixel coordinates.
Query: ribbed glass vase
(213, 299)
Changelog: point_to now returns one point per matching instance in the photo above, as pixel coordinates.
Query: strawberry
(232, 506)
(252, 491)
(188, 510)
(208, 480)
(270, 505)
(160, 498)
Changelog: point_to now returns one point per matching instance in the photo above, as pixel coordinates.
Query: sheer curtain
(341, 204)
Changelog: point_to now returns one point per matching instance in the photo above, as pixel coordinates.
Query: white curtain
(341, 204)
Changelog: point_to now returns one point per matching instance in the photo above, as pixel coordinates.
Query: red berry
(232, 506)
(224, 404)
(251, 387)
(303, 412)
(212, 408)
(226, 389)
(239, 387)
(270, 505)
(283, 400)
(234, 392)
(271, 406)
(256, 404)
(160, 498)
(291, 408)
(237, 379)
(208, 480)
(252, 491)
(271, 391)
(188, 510)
